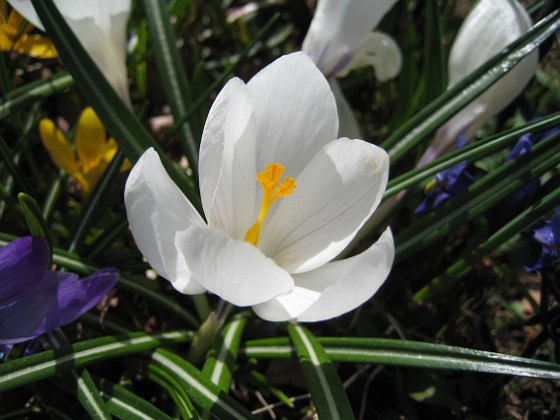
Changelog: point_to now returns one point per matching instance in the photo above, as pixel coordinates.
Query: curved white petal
(347, 123)
(227, 161)
(295, 112)
(334, 196)
(335, 288)
(337, 29)
(100, 26)
(379, 51)
(490, 27)
(234, 270)
(157, 210)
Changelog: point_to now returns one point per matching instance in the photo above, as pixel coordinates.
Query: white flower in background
(281, 197)
(488, 29)
(100, 26)
(340, 39)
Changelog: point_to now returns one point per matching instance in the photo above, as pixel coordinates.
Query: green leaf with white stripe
(200, 390)
(126, 405)
(23, 371)
(218, 367)
(326, 388)
(416, 354)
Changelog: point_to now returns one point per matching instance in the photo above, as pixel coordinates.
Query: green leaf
(219, 365)
(126, 405)
(327, 392)
(34, 91)
(469, 153)
(19, 372)
(410, 354)
(172, 73)
(175, 391)
(34, 218)
(203, 392)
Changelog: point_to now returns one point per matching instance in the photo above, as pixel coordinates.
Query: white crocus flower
(281, 197)
(100, 26)
(340, 39)
(488, 29)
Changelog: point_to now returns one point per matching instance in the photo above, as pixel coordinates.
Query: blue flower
(547, 234)
(447, 183)
(34, 300)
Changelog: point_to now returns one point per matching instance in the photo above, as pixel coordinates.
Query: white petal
(287, 306)
(348, 283)
(295, 112)
(234, 270)
(100, 26)
(26, 9)
(157, 210)
(337, 29)
(490, 27)
(335, 288)
(379, 51)
(334, 196)
(347, 123)
(227, 161)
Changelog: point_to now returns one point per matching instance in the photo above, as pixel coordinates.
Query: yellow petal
(36, 46)
(58, 147)
(111, 150)
(91, 139)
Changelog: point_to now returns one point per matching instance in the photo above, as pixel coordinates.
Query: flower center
(269, 180)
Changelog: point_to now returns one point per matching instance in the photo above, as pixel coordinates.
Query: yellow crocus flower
(93, 151)
(15, 36)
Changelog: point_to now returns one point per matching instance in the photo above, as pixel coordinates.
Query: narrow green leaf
(327, 391)
(34, 218)
(96, 202)
(219, 365)
(469, 153)
(172, 73)
(175, 391)
(411, 354)
(434, 72)
(89, 396)
(19, 372)
(126, 405)
(203, 392)
(34, 91)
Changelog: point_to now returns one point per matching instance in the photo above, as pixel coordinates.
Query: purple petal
(59, 299)
(22, 264)
(76, 297)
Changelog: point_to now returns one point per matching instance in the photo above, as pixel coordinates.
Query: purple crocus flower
(34, 300)
(447, 183)
(547, 234)
(524, 145)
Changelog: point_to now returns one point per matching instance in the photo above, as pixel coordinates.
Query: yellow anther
(269, 179)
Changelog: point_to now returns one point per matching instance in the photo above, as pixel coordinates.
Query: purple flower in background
(34, 300)
(447, 183)
(547, 234)
(524, 145)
